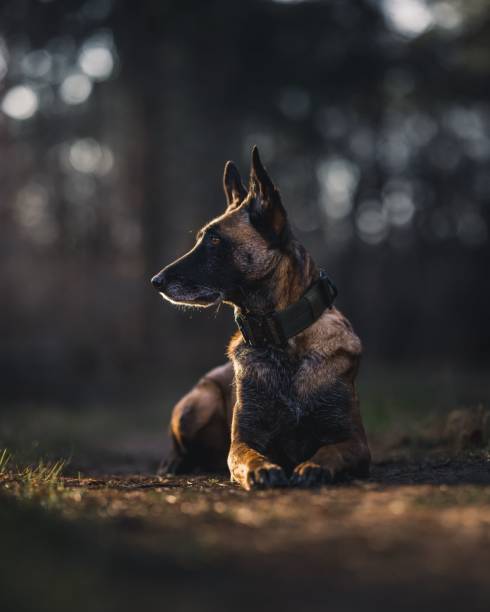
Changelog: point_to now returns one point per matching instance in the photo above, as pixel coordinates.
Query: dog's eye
(214, 240)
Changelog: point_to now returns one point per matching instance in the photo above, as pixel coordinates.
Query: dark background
(116, 118)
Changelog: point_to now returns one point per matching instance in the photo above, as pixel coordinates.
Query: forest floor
(105, 532)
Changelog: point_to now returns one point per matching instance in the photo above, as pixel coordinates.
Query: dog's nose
(158, 281)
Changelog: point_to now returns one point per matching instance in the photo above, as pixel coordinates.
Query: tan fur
(330, 339)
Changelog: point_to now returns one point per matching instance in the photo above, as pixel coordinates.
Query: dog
(284, 410)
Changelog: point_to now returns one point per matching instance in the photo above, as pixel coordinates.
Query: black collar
(275, 328)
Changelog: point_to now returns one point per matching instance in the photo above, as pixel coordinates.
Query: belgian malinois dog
(284, 410)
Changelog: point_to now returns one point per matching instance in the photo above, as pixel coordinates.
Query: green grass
(42, 472)
(4, 461)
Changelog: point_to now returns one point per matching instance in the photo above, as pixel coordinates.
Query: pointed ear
(235, 192)
(266, 209)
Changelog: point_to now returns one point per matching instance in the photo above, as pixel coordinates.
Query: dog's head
(235, 251)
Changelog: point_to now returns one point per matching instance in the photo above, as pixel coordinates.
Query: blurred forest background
(116, 119)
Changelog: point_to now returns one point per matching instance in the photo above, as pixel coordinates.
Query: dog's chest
(286, 381)
(284, 388)
(293, 401)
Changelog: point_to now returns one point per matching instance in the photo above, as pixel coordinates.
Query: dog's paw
(266, 476)
(309, 474)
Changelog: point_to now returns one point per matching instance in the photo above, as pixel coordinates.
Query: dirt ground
(110, 534)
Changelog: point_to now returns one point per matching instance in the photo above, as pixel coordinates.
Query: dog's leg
(349, 457)
(333, 461)
(252, 470)
(199, 428)
(249, 466)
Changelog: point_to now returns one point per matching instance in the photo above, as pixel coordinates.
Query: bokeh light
(20, 102)
(338, 180)
(75, 89)
(371, 222)
(96, 61)
(408, 17)
(36, 64)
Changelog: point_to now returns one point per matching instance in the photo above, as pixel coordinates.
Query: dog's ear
(266, 210)
(235, 192)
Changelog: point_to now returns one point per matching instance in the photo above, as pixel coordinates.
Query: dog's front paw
(267, 476)
(309, 474)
